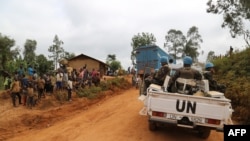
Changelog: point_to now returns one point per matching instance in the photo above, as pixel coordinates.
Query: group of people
(85, 77)
(176, 83)
(29, 87)
(27, 90)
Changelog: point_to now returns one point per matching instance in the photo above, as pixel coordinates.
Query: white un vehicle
(203, 111)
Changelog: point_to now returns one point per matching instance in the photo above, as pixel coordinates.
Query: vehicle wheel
(204, 132)
(152, 126)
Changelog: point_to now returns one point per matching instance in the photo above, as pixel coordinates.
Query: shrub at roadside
(234, 72)
(110, 84)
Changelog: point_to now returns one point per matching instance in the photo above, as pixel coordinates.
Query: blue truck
(148, 61)
(148, 58)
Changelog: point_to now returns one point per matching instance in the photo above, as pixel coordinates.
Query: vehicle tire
(152, 126)
(204, 132)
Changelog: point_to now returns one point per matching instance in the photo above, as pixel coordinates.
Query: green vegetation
(178, 43)
(113, 63)
(234, 72)
(12, 57)
(141, 39)
(61, 96)
(111, 84)
(90, 93)
(235, 14)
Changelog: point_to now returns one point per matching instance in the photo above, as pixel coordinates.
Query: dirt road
(115, 118)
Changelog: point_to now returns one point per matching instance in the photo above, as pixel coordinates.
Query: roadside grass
(110, 84)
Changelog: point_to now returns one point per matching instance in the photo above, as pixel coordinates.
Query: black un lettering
(189, 106)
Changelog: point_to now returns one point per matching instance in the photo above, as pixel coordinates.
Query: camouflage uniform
(158, 77)
(213, 85)
(161, 74)
(186, 73)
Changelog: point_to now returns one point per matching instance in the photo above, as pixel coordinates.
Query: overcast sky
(100, 27)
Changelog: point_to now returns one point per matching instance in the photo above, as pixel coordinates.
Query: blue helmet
(187, 60)
(164, 59)
(209, 65)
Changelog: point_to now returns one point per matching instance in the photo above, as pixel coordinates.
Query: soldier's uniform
(187, 74)
(213, 85)
(161, 74)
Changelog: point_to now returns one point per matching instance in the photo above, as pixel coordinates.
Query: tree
(6, 52)
(210, 56)
(175, 41)
(180, 45)
(141, 39)
(235, 14)
(115, 65)
(44, 65)
(110, 58)
(112, 62)
(193, 43)
(29, 51)
(68, 55)
(57, 50)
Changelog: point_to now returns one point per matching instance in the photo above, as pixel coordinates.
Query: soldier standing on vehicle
(208, 74)
(186, 72)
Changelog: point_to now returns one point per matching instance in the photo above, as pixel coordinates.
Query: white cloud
(98, 28)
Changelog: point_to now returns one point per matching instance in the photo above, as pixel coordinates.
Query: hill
(234, 72)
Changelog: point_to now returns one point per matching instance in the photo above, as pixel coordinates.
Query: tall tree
(180, 45)
(141, 39)
(236, 13)
(29, 51)
(6, 52)
(57, 50)
(210, 56)
(175, 41)
(192, 44)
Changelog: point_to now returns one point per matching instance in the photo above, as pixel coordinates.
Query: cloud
(98, 28)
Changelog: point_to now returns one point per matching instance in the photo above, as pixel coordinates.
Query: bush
(61, 96)
(234, 72)
(111, 84)
(89, 93)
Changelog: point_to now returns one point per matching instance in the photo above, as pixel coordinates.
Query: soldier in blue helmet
(186, 72)
(208, 74)
(163, 71)
(160, 75)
